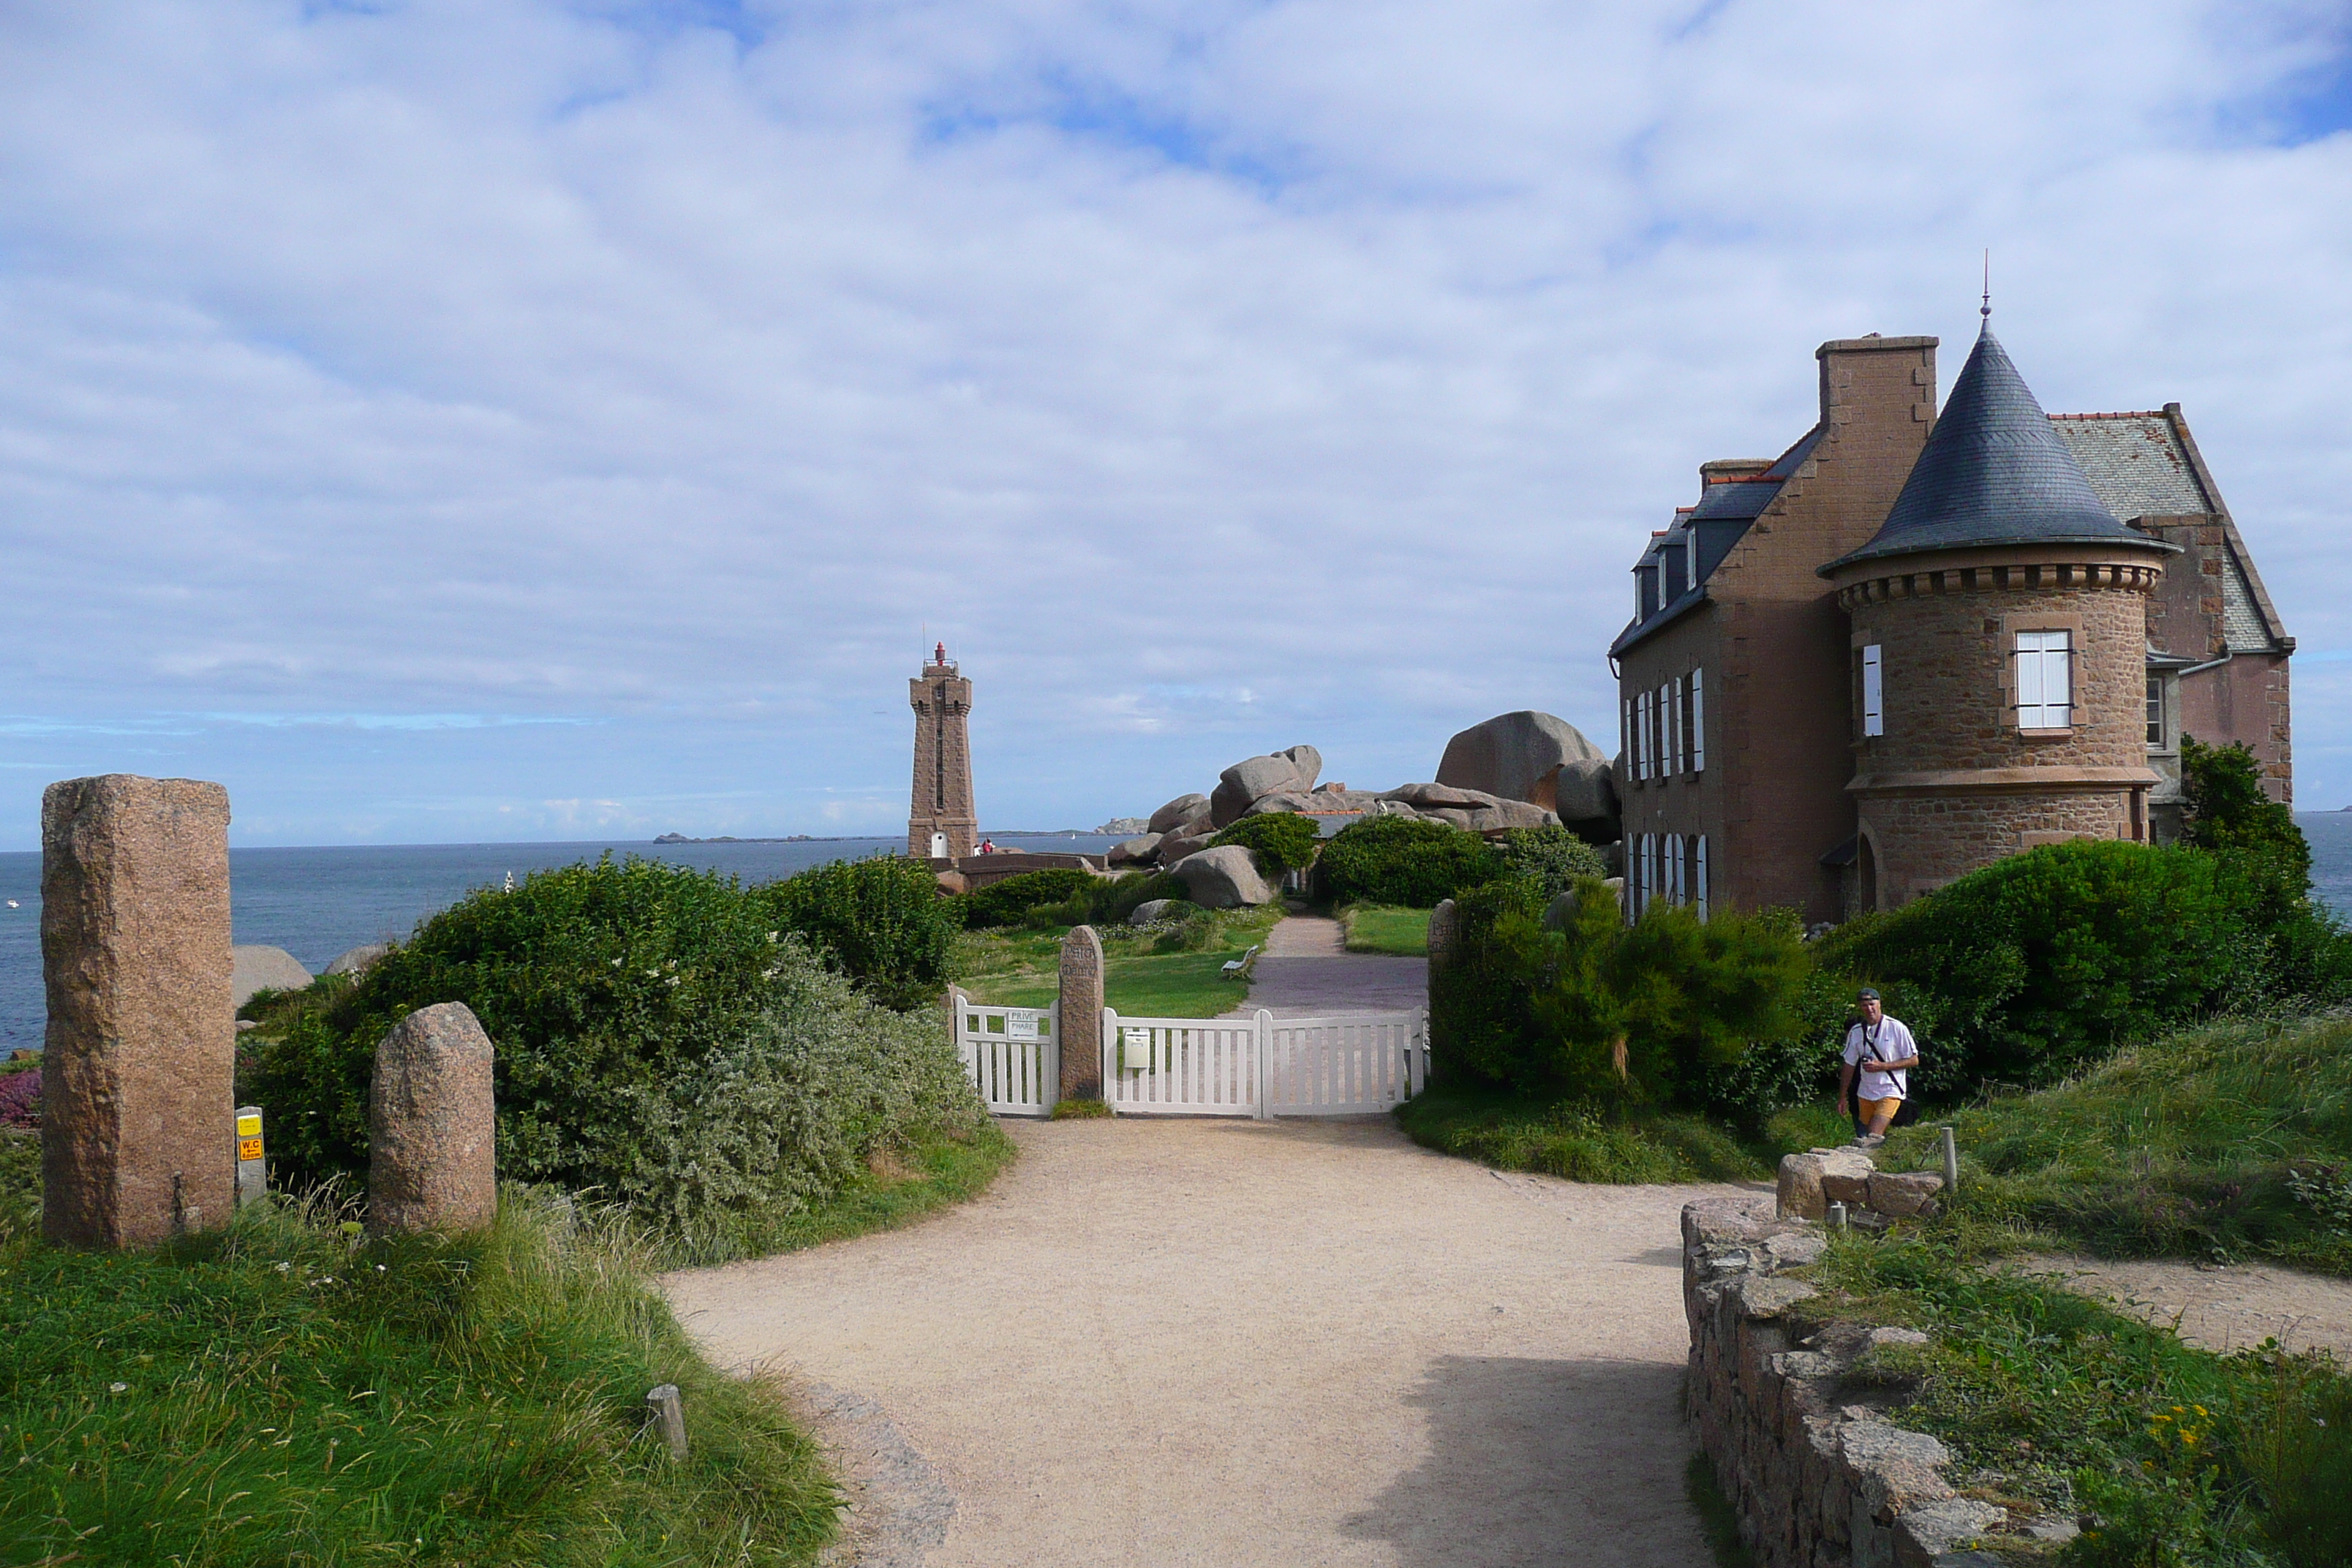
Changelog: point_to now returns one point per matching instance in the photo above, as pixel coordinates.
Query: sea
(319, 903)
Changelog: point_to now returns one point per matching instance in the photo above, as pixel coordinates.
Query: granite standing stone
(1082, 1011)
(138, 1075)
(432, 1125)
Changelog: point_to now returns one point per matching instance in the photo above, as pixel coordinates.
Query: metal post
(1113, 1052)
(252, 1163)
(1951, 1163)
(1837, 1216)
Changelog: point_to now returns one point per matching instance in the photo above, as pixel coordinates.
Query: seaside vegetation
(286, 1391)
(669, 1042)
(2057, 1404)
(2027, 973)
(1278, 841)
(1408, 860)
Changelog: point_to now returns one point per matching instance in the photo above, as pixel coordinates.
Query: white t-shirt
(1889, 1042)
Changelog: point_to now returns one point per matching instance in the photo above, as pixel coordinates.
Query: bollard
(1837, 1216)
(1951, 1163)
(252, 1163)
(668, 1407)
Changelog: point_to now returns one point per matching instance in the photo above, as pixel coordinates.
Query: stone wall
(1799, 1434)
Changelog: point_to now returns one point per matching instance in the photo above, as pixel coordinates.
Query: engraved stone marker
(1082, 1011)
(139, 1070)
(432, 1125)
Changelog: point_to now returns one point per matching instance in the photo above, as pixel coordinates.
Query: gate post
(1081, 1005)
(1264, 1025)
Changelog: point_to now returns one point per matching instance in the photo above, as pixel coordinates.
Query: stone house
(1912, 643)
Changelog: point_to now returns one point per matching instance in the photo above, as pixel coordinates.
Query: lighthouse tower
(941, 824)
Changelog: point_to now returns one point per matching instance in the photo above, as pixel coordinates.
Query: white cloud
(1213, 376)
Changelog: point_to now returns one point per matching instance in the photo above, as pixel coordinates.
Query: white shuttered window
(1674, 867)
(1873, 693)
(1698, 874)
(1698, 722)
(1674, 726)
(2045, 687)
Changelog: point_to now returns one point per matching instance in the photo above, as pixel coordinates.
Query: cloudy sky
(456, 421)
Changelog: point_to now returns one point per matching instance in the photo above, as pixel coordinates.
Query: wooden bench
(1239, 968)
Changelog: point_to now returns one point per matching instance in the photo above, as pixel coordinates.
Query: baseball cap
(1866, 995)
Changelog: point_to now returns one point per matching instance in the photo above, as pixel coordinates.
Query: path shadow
(1543, 1462)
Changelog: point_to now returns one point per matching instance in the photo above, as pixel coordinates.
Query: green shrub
(1603, 1011)
(1407, 860)
(1551, 858)
(2226, 809)
(780, 1119)
(1008, 902)
(1482, 997)
(2045, 962)
(882, 921)
(637, 1010)
(1278, 841)
(1107, 903)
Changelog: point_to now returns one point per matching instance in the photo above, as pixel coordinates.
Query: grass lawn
(284, 1392)
(1152, 975)
(2233, 1140)
(1381, 928)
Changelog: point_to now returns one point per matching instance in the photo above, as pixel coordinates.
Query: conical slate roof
(1993, 472)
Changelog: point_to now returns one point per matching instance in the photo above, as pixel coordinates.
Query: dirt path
(1240, 1343)
(2221, 1309)
(1306, 972)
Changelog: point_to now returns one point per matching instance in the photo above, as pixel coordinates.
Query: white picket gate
(1013, 1054)
(1264, 1067)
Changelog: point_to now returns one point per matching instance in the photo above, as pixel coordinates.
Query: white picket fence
(1262, 1065)
(1013, 1053)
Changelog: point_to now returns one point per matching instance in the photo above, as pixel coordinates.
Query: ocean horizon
(321, 901)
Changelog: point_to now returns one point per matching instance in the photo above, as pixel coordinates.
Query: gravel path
(1238, 1344)
(2221, 1309)
(1306, 972)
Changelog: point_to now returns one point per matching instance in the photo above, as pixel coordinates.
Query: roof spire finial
(1985, 309)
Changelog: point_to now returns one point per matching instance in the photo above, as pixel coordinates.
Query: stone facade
(942, 824)
(1745, 778)
(138, 1124)
(1766, 638)
(1954, 782)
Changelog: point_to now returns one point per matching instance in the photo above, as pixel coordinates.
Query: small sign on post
(252, 1159)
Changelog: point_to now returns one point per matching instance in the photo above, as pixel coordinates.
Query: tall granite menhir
(138, 1079)
(433, 1125)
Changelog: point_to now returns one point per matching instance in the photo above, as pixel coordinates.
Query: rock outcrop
(1223, 878)
(358, 960)
(1539, 759)
(254, 968)
(1184, 808)
(1252, 778)
(1140, 850)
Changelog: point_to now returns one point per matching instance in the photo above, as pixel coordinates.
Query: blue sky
(518, 421)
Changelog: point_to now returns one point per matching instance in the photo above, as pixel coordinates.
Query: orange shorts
(1872, 1109)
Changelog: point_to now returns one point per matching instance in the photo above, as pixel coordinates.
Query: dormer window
(1673, 561)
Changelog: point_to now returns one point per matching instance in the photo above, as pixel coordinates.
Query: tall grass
(284, 1392)
(1577, 1141)
(2179, 1455)
(2233, 1139)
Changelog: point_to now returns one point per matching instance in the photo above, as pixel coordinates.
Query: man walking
(1886, 1053)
